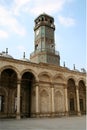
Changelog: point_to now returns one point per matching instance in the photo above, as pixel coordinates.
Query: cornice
(43, 65)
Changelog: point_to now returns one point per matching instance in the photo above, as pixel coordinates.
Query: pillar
(18, 99)
(37, 99)
(52, 90)
(66, 102)
(78, 104)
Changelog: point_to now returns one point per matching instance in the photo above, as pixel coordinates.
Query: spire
(74, 66)
(24, 55)
(64, 63)
(6, 50)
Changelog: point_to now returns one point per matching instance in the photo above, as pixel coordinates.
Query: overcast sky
(17, 23)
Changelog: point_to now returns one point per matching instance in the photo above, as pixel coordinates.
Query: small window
(42, 19)
(50, 21)
(36, 47)
(39, 20)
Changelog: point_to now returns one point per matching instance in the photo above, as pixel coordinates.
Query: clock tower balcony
(44, 50)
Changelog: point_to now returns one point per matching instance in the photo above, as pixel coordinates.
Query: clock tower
(44, 42)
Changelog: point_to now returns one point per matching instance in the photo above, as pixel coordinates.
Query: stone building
(40, 87)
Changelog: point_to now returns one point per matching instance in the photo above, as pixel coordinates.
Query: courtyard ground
(63, 123)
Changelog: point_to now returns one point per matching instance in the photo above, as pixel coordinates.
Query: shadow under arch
(71, 90)
(28, 80)
(30, 71)
(12, 68)
(82, 96)
(8, 81)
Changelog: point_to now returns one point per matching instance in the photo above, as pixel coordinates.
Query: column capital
(77, 87)
(65, 86)
(51, 85)
(19, 81)
(36, 84)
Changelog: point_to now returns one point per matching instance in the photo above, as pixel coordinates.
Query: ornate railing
(52, 51)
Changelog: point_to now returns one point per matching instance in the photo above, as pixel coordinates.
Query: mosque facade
(41, 87)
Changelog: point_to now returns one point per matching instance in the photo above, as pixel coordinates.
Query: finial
(64, 63)
(6, 50)
(24, 55)
(74, 66)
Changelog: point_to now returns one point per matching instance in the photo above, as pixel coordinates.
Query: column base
(66, 113)
(79, 113)
(18, 116)
(52, 114)
(37, 114)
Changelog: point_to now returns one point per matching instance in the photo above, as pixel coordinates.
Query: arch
(44, 101)
(11, 67)
(59, 78)
(45, 76)
(71, 77)
(8, 78)
(81, 79)
(71, 84)
(44, 93)
(30, 71)
(82, 85)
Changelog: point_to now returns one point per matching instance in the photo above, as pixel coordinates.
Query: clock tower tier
(44, 41)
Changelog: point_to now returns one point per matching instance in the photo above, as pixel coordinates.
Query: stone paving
(63, 123)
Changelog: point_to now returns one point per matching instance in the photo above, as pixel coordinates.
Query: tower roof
(45, 15)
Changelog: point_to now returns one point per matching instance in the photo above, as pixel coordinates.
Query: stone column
(66, 101)
(18, 116)
(78, 104)
(52, 91)
(37, 99)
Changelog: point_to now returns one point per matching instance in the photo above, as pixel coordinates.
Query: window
(1, 103)
(36, 47)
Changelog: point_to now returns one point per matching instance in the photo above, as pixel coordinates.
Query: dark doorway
(81, 105)
(72, 104)
(27, 86)
(9, 84)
